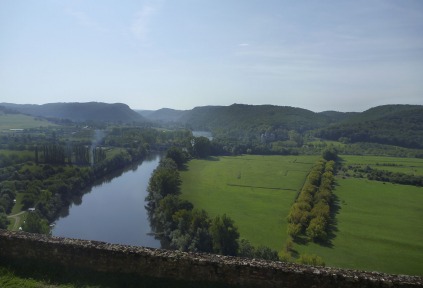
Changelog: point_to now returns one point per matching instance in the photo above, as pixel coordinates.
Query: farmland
(378, 228)
(413, 166)
(20, 121)
(256, 191)
(378, 225)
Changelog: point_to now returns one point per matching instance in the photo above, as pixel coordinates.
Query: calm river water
(114, 210)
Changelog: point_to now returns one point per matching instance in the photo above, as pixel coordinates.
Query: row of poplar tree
(76, 154)
(310, 214)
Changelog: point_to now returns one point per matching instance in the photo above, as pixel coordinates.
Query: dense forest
(399, 125)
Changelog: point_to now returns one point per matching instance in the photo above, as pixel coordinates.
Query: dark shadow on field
(333, 224)
(184, 167)
(212, 158)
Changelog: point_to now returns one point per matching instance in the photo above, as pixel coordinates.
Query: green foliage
(176, 221)
(235, 121)
(264, 252)
(245, 249)
(313, 260)
(4, 222)
(192, 231)
(163, 182)
(261, 252)
(225, 235)
(316, 230)
(311, 212)
(177, 155)
(36, 224)
(330, 154)
(400, 125)
(200, 147)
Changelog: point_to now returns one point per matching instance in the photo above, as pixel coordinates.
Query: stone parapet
(158, 263)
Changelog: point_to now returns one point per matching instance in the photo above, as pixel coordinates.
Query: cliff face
(156, 263)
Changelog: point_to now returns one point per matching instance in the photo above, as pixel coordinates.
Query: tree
(330, 154)
(264, 252)
(192, 232)
(4, 222)
(177, 155)
(163, 214)
(200, 147)
(163, 182)
(312, 259)
(35, 224)
(246, 249)
(225, 235)
(317, 229)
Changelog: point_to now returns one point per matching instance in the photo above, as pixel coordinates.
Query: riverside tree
(225, 235)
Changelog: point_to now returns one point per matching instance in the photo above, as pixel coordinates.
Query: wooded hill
(80, 112)
(400, 125)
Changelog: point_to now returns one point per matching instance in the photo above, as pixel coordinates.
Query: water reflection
(113, 209)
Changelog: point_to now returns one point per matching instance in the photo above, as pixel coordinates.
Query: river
(113, 211)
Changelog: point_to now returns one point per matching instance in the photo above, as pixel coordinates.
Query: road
(17, 218)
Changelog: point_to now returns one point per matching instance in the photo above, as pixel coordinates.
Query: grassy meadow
(378, 225)
(413, 166)
(256, 191)
(379, 228)
(20, 121)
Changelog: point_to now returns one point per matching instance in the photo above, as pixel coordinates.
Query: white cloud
(140, 27)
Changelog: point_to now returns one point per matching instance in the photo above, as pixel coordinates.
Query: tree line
(181, 226)
(66, 154)
(384, 175)
(310, 214)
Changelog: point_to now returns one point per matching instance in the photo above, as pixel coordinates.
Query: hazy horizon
(142, 109)
(320, 56)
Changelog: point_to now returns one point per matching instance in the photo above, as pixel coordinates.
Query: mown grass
(255, 191)
(379, 228)
(413, 166)
(20, 121)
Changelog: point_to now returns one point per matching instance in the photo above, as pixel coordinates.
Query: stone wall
(148, 262)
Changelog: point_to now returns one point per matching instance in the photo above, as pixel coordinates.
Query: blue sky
(319, 55)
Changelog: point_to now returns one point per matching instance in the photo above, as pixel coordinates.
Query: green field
(20, 121)
(413, 166)
(256, 191)
(379, 226)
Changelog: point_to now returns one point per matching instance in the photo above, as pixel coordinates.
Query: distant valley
(400, 125)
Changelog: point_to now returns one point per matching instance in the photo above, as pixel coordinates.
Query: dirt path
(17, 218)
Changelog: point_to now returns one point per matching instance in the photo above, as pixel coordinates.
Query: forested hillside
(400, 125)
(166, 115)
(245, 122)
(92, 111)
